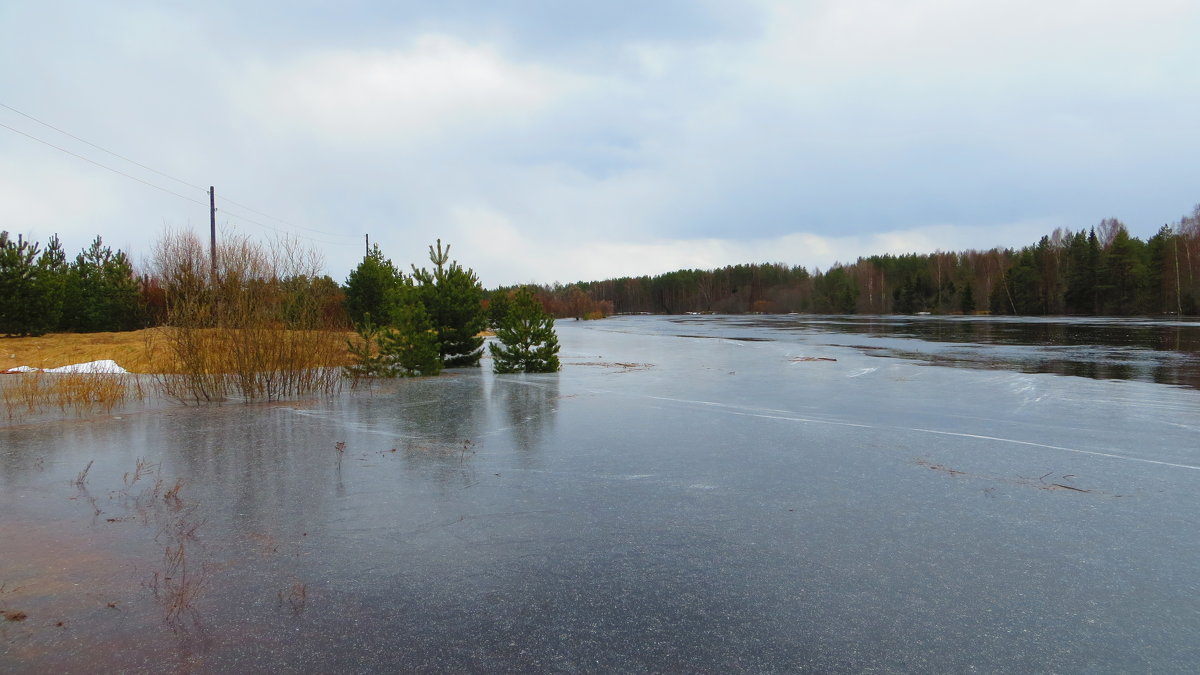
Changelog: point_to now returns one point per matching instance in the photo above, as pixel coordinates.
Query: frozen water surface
(700, 493)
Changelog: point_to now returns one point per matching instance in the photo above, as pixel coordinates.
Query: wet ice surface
(716, 502)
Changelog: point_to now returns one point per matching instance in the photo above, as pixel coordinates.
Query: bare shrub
(259, 328)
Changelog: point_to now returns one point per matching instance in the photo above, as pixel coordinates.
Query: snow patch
(107, 366)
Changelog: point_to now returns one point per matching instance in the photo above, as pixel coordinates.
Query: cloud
(436, 86)
(571, 143)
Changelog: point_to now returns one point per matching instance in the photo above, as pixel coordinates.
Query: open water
(836, 494)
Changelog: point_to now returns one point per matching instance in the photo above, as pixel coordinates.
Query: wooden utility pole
(212, 224)
(368, 240)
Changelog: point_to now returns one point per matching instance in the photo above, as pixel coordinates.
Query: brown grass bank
(142, 351)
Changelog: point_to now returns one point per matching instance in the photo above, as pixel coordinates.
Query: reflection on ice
(775, 498)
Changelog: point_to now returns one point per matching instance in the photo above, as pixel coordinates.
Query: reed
(78, 392)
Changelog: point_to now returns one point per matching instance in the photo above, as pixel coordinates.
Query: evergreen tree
(369, 285)
(835, 292)
(102, 292)
(499, 302)
(405, 346)
(30, 287)
(366, 359)
(967, 302)
(1123, 274)
(410, 343)
(453, 298)
(530, 344)
(52, 264)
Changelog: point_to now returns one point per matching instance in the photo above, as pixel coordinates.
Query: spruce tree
(530, 344)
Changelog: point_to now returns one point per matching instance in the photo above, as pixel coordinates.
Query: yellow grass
(141, 351)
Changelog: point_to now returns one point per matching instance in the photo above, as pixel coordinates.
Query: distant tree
(369, 284)
(30, 287)
(453, 299)
(102, 293)
(53, 271)
(313, 301)
(967, 301)
(1083, 255)
(1123, 274)
(499, 302)
(529, 343)
(835, 292)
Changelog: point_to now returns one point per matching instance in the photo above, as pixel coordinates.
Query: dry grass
(80, 392)
(132, 350)
(140, 351)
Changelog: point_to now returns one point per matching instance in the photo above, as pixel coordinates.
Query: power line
(279, 231)
(48, 125)
(102, 166)
(67, 133)
(161, 173)
(227, 199)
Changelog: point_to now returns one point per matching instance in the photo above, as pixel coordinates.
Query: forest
(1101, 271)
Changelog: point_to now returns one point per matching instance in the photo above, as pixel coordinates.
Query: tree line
(41, 292)
(1103, 270)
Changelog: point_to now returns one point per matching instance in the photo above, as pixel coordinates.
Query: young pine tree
(529, 342)
(369, 286)
(453, 298)
(405, 346)
(410, 345)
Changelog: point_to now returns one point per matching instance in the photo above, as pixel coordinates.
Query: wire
(67, 133)
(103, 166)
(165, 175)
(281, 220)
(279, 231)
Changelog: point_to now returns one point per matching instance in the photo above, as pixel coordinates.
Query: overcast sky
(561, 141)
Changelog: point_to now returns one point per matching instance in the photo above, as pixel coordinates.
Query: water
(715, 494)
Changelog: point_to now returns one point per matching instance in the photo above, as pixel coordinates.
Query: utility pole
(368, 239)
(212, 224)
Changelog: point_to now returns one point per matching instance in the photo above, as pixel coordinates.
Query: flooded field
(689, 493)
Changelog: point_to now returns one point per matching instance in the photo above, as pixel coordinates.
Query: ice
(965, 505)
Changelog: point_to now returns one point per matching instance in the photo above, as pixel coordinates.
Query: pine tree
(453, 298)
(530, 344)
(410, 345)
(102, 292)
(30, 287)
(369, 284)
(52, 264)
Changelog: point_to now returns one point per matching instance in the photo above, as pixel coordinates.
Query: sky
(552, 141)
